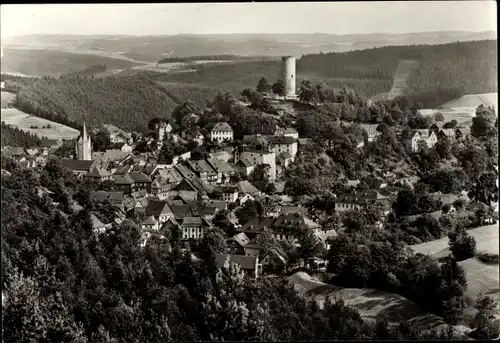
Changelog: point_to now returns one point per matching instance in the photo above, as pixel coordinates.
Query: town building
(248, 264)
(281, 144)
(222, 131)
(257, 157)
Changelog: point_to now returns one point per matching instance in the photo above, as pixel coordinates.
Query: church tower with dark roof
(84, 146)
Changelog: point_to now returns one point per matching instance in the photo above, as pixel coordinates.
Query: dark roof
(201, 166)
(150, 221)
(281, 140)
(192, 222)
(181, 211)
(222, 126)
(246, 187)
(245, 262)
(294, 209)
(125, 179)
(256, 225)
(49, 143)
(140, 177)
(244, 162)
(98, 172)
(361, 197)
(101, 196)
(157, 207)
(78, 165)
(220, 165)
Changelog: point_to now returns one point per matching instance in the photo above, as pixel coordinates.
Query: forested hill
(469, 66)
(128, 102)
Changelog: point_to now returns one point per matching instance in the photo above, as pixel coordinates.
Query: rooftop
(245, 262)
(222, 126)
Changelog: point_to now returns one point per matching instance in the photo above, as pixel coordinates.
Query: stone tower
(288, 65)
(84, 146)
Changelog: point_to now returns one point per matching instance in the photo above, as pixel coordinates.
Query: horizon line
(245, 33)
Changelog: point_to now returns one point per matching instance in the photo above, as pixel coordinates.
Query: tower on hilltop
(288, 69)
(84, 146)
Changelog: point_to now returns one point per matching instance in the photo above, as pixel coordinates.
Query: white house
(221, 132)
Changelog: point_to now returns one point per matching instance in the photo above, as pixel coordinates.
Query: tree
(309, 245)
(249, 210)
(263, 86)
(278, 88)
(450, 124)
(484, 320)
(462, 245)
(483, 123)
(439, 117)
(485, 190)
(307, 93)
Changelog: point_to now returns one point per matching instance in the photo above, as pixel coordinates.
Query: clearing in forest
(400, 84)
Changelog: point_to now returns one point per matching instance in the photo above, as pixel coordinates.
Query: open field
(486, 238)
(367, 301)
(473, 100)
(23, 121)
(481, 277)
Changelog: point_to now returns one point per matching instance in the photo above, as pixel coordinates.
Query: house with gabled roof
(236, 244)
(245, 187)
(160, 189)
(284, 227)
(204, 171)
(281, 144)
(79, 167)
(50, 143)
(116, 198)
(159, 209)
(356, 200)
(117, 135)
(124, 182)
(370, 132)
(447, 134)
(141, 181)
(244, 166)
(222, 168)
(194, 227)
(248, 264)
(221, 131)
(150, 223)
(98, 174)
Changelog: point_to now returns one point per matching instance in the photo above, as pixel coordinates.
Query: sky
(203, 18)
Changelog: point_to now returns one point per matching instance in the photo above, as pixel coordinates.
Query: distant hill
(154, 48)
(55, 63)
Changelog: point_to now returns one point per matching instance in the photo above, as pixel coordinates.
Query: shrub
(462, 245)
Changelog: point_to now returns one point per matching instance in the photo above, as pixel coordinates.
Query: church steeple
(84, 145)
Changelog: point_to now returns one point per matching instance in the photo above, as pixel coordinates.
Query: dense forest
(467, 66)
(71, 285)
(128, 102)
(12, 136)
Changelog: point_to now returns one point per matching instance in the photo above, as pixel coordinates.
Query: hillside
(481, 277)
(369, 302)
(55, 63)
(128, 102)
(11, 136)
(154, 48)
(370, 72)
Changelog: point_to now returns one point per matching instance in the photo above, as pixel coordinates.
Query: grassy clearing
(474, 100)
(25, 122)
(369, 302)
(7, 99)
